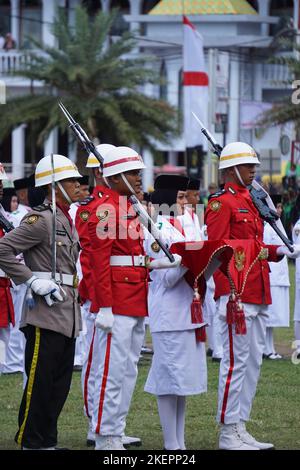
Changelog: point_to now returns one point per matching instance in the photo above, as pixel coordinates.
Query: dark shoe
(90, 443)
(216, 359)
(209, 352)
(77, 368)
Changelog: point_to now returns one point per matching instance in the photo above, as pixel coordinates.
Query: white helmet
(237, 153)
(63, 168)
(3, 175)
(103, 149)
(120, 160)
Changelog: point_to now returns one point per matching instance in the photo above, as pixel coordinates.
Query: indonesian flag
(195, 85)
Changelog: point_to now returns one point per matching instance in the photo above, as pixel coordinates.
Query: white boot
(250, 440)
(230, 438)
(131, 441)
(109, 443)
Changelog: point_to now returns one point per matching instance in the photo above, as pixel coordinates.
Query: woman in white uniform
(279, 310)
(296, 239)
(179, 363)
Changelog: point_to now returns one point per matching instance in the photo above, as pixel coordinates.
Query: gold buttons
(126, 279)
(59, 243)
(245, 220)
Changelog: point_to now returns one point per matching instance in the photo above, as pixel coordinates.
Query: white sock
(180, 422)
(167, 409)
(297, 333)
(269, 344)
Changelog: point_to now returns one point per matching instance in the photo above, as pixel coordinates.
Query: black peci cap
(84, 179)
(193, 184)
(22, 183)
(175, 182)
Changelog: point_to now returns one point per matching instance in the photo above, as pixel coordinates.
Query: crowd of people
(79, 275)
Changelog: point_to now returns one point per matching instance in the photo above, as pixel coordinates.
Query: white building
(237, 48)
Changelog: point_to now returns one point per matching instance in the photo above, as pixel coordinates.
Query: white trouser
(82, 345)
(15, 350)
(89, 365)
(4, 339)
(117, 357)
(240, 365)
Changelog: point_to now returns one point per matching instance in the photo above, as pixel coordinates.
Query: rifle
(257, 193)
(139, 209)
(5, 224)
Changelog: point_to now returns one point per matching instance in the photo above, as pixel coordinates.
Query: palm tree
(100, 87)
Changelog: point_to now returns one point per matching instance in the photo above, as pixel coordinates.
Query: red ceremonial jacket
(83, 214)
(114, 230)
(231, 214)
(7, 314)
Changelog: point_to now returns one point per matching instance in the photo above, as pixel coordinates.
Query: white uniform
(279, 310)
(296, 240)
(179, 362)
(14, 361)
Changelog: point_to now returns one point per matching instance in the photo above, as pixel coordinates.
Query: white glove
(46, 288)
(165, 263)
(105, 319)
(283, 250)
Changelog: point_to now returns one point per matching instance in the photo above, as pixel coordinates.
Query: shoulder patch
(84, 215)
(215, 205)
(217, 194)
(87, 200)
(32, 219)
(42, 207)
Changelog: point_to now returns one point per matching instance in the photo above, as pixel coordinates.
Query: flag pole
(185, 151)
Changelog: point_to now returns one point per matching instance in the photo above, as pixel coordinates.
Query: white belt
(3, 274)
(66, 279)
(139, 260)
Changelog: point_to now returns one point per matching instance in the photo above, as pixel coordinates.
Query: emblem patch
(215, 206)
(84, 215)
(239, 257)
(102, 215)
(32, 219)
(155, 247)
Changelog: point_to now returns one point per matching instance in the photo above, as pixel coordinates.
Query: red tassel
(240, 321)
(196, 308)
(231, 310)
(200, 334)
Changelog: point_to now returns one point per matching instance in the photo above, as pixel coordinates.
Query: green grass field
(275, 416)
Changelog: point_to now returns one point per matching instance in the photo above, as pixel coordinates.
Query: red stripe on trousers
(195, 79)
(104, 380)
(229, 375)
(87, 375)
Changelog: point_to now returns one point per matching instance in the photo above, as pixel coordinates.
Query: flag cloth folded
(195, 85)
(235, 258)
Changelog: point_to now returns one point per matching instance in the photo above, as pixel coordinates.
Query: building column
(234, 101)
(48, 17)
(72, 147)
(51, 143)
(18, 152)
(105, 5)
(71, 11)
(135, 9)
(148, 172)
(15, 21)
(264, 10)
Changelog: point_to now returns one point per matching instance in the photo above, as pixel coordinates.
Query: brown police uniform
(50, 331)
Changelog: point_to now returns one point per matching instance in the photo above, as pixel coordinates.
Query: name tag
(62, 233)
(243, 211)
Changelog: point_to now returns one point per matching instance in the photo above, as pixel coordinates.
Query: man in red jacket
(7, 315)
(120, 279)
(231, 214)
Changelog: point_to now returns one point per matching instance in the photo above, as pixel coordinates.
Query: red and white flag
(195, 85)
